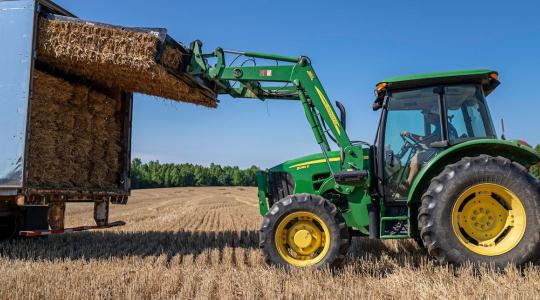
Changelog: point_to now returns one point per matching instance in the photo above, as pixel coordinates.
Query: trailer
(65, 127)
(26, 206)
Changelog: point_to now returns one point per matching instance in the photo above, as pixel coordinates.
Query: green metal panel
(438, 75)
(311, 175)
(263, 73)
(305, 169)
(357, 214)
(262, 184)
(271, 56)
(512, 150)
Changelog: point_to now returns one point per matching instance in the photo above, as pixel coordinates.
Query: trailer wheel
(482, 210)
(304, 230)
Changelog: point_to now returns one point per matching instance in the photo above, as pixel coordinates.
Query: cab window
(468, 115)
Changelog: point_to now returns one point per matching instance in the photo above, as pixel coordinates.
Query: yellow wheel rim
(302, 239)
(489, 219)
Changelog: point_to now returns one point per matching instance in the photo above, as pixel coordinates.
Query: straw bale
(117, 58)
(172, 58)
(75, 135)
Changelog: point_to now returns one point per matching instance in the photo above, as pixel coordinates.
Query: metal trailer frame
(18, 58)
(40, 207)
(18, 23)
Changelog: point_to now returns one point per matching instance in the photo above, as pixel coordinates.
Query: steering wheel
(408, 143)
(409, 138)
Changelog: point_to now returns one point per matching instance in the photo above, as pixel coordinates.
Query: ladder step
(396, 236)
(395, 227)
(396, 218)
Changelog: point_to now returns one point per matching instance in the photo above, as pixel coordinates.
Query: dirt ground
(199, 243)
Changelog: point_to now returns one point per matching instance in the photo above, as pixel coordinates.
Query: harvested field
(76, 135)
(117, 57)
(200, 243)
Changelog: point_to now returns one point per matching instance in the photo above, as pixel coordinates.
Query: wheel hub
(301, 239)
(304, 237)
(484, 217)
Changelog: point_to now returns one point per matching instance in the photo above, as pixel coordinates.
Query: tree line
(157, 175)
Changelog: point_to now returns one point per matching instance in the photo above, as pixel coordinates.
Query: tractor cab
(421, 116)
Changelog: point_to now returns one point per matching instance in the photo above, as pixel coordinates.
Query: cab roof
(440, 75)
(486, 77)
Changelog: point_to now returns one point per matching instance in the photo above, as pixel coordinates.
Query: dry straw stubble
(200, 243)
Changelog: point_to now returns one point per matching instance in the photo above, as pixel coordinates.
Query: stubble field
(199, 243)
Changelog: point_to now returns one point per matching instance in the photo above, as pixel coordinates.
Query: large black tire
(338, 231)
(435, 221)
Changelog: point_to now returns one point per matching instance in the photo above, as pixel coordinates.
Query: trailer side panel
(16, 37)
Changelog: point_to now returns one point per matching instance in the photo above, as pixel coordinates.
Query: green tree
(237, 177)
(251, 176)
(215, 172)
(154, 175)
(202, 176)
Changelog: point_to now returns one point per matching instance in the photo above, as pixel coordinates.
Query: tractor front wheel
(304, 230)
(483, 210)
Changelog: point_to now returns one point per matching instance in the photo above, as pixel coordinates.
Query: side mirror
(343, 113)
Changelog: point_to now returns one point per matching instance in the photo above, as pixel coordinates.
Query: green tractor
(436, 172)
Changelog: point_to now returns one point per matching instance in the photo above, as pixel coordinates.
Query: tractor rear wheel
(304, 230)
(483, 210)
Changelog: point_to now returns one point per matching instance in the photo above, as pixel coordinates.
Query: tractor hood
(306, 162)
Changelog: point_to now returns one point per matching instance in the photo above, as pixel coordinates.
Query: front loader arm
(295, 80)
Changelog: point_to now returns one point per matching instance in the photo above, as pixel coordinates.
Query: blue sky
(352, 44)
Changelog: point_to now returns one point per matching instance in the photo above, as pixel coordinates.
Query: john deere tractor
(436, 172)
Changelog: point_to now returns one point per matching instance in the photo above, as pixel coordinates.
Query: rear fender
(511, 150)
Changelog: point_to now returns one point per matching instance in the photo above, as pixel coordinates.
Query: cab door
(412, 123)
